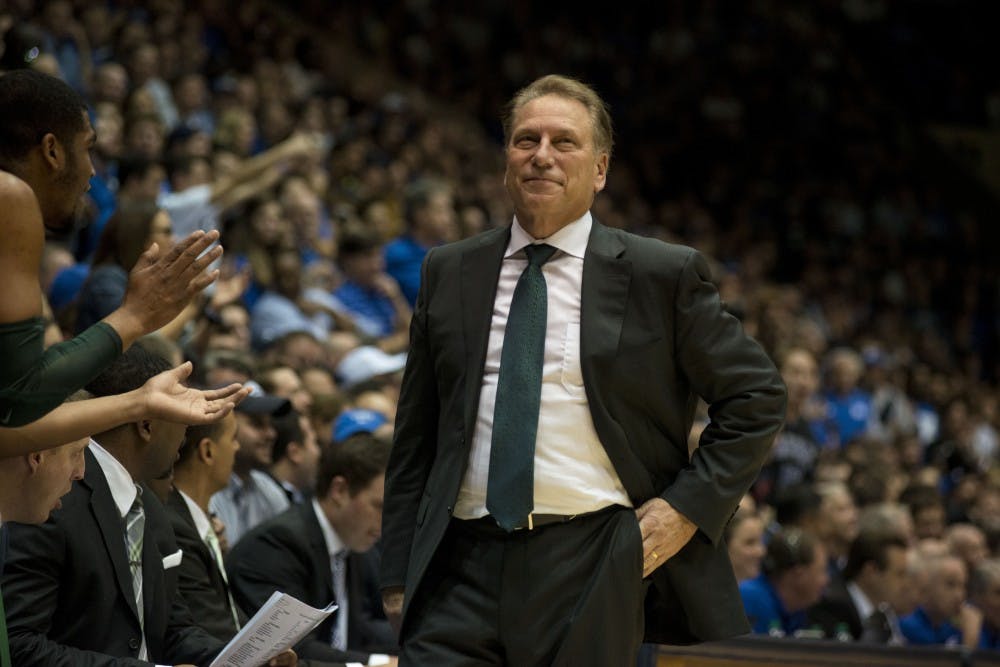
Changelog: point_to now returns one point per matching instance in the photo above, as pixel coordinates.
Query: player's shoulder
(18, 204)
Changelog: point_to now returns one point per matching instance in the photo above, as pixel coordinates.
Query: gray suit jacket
(654, 338)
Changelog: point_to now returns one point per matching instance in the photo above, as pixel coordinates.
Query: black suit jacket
(68, 589)
(199, 580)
(653, 338)
(288, 553)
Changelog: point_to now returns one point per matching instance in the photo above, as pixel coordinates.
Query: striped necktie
(135, 523)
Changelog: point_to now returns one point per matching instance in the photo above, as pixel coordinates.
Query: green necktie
(510, 489)
(4, 649)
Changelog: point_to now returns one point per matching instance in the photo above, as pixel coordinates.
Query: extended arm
(162, 397)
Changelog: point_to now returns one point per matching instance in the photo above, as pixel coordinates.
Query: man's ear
(600, 172)
(339, 492)
(206, 450)
(34, 461)
(144, 428)
(53, 152)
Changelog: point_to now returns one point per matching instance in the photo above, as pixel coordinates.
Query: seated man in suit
(32, 484)
(296, 456)
(316, 552)
(96, 584)
(203, 467)
(865, 602)
(251, 496)
(793, 579)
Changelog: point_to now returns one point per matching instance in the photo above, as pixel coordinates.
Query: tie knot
(538, 254)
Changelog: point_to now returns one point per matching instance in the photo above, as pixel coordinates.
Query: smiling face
(553, 168)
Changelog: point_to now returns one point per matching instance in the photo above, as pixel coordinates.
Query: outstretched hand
(167, 398)
(162, 284)
(664, 530)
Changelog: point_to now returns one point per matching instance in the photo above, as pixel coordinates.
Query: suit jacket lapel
(318, 549)
(102, 504)
(606, 278)
(480, 274)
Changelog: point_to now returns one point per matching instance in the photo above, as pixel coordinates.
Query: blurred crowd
(333, 146)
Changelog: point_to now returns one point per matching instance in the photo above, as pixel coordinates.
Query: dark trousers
(563, 594)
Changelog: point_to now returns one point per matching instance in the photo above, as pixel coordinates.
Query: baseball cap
(356, 420)
(366, 362)
(259, 403)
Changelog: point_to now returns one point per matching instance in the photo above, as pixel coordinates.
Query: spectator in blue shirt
(940, 603)
(793, 579)
(848, 405)
(368, 295)
(431, 221)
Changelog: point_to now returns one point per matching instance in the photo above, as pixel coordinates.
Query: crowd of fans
(334, 146)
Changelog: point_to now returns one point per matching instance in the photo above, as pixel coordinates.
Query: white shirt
(861, 602)
(123, 488)
(573, 473)
(201, 521)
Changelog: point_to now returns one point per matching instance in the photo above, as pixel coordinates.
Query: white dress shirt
(123, 488)
(573, 473)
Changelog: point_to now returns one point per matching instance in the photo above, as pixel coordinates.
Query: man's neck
(123, 453)
(285, 472)
(198, 489)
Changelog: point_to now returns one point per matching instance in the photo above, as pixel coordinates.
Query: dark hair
(918, 497)
(134, 167)
(356, 240)
(787, 550)
(128, 372)
(32, 105)
(795, 503)
(125, 235)
(287, 430)
(194, 435)
(359, 460)
(870, 548)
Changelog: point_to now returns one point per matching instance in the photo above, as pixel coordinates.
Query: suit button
(133, 644)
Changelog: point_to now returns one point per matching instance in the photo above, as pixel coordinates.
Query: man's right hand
(161, 285)
(392, 602)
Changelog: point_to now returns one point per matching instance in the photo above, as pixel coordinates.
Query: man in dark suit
(68, 584)
(862, 604)
(316, 552)
(540, 468)
(203, 467)
(96, 584)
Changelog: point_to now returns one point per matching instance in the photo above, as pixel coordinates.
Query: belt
(487, 525)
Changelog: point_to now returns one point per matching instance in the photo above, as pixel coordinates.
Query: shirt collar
(334, 544)
(123, 488)
(201, 521)
(571, 239)
(861, 602)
